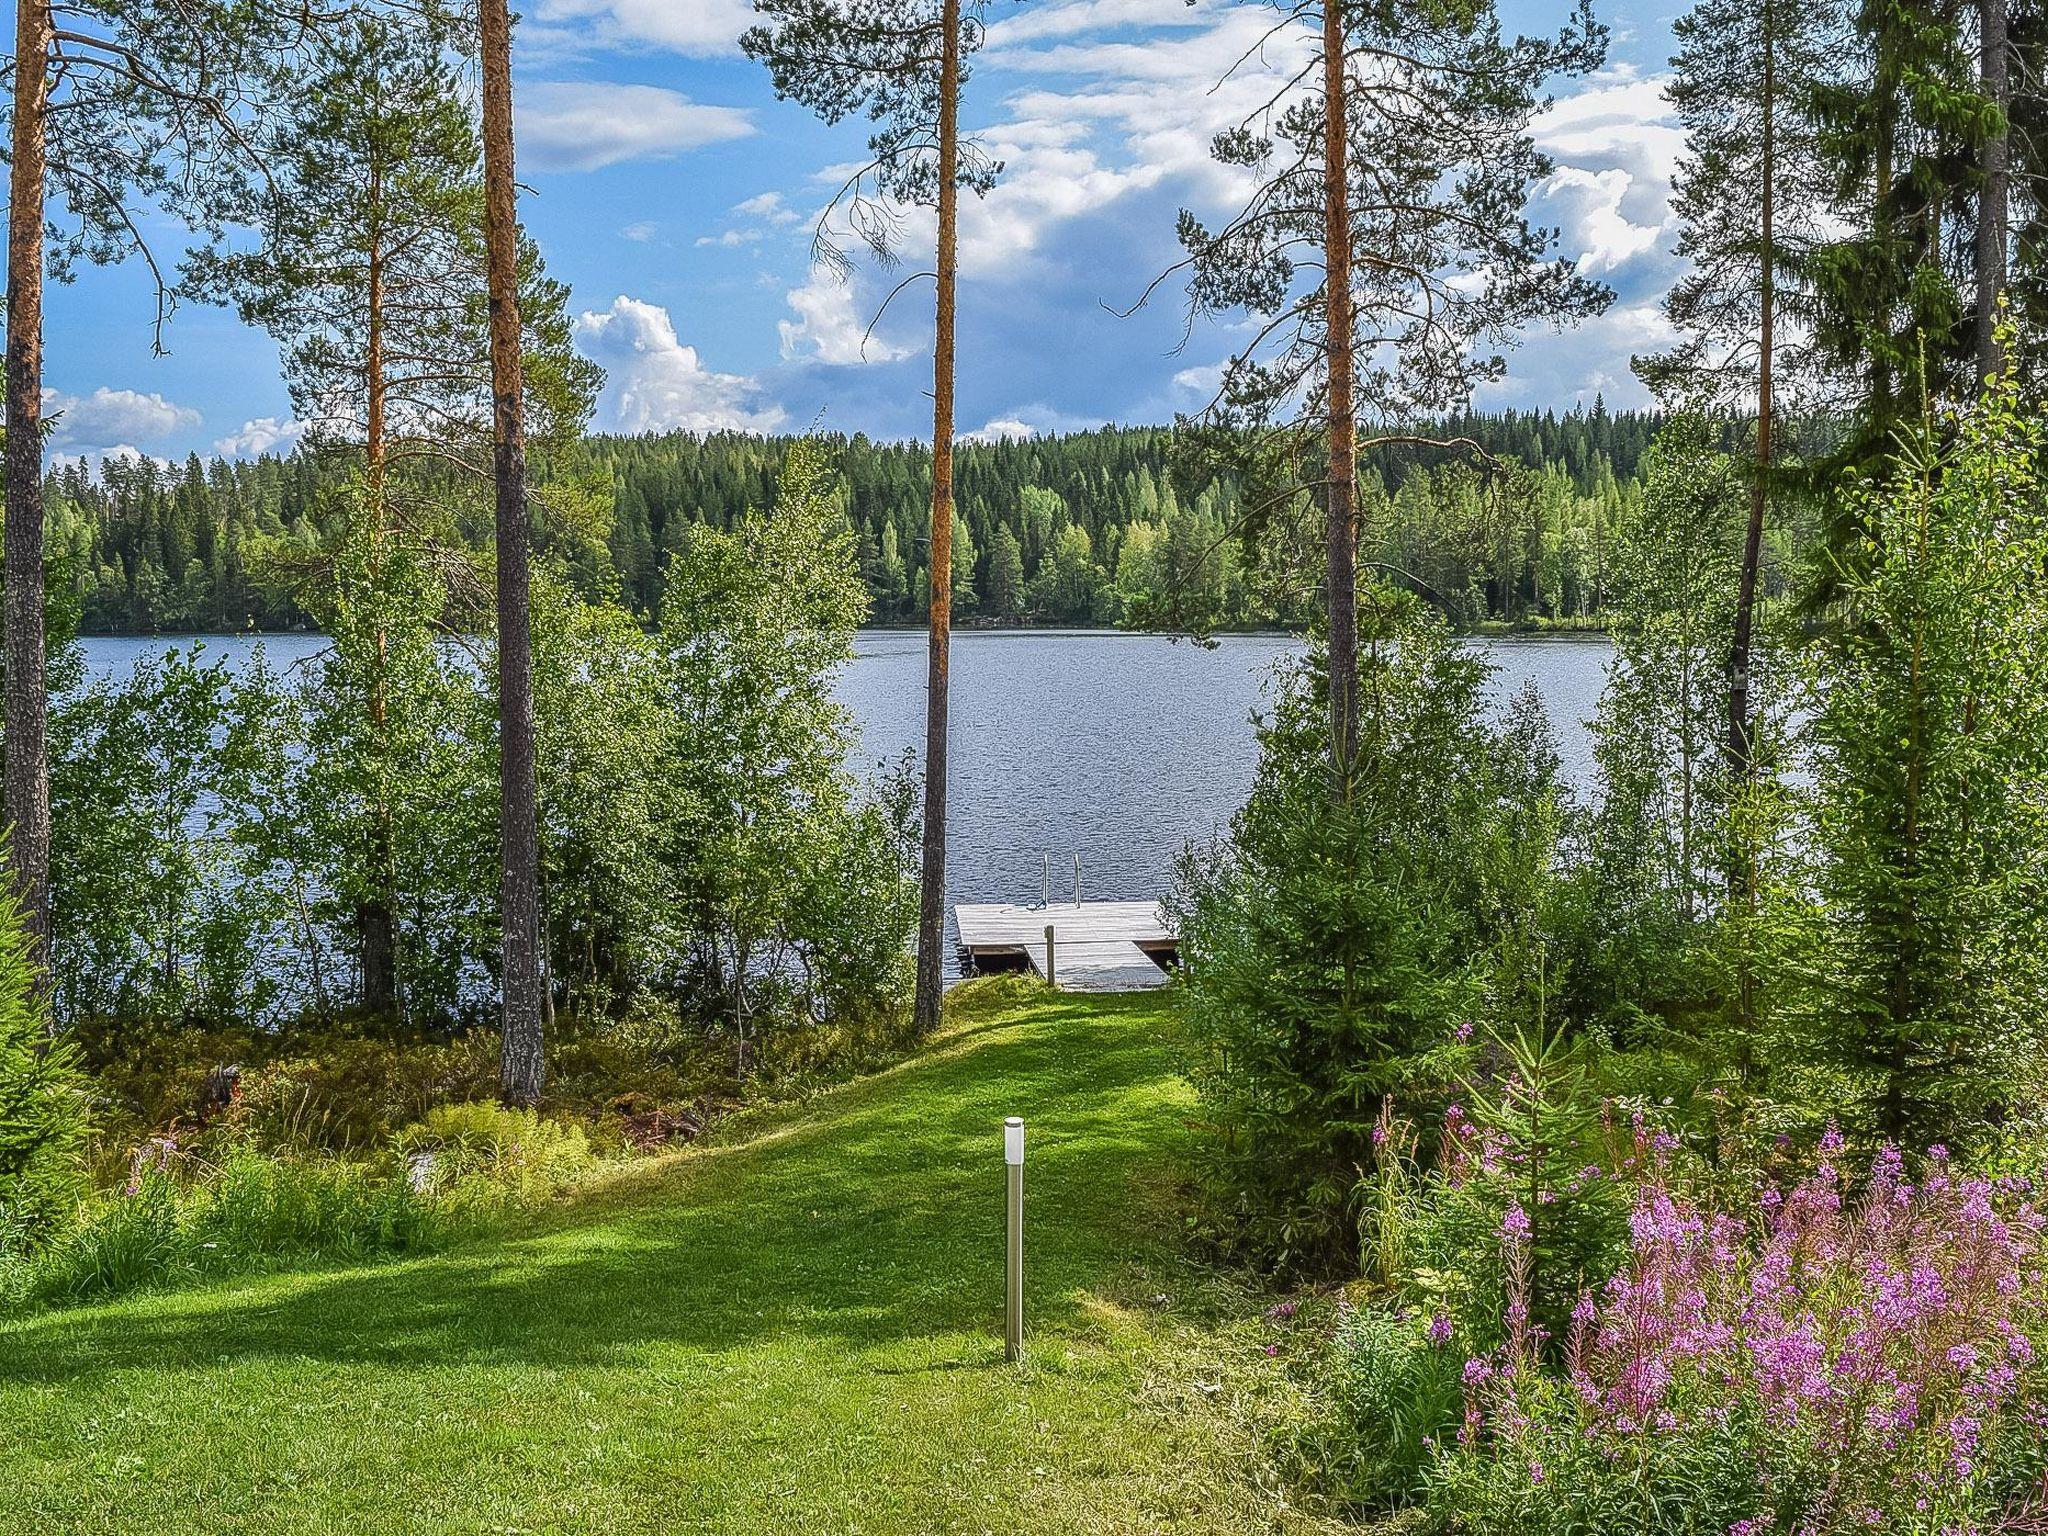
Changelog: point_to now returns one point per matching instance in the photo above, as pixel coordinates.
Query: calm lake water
(1120, 748)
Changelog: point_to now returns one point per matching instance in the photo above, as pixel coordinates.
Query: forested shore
(1091, 528)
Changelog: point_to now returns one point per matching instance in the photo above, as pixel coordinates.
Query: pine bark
(25, 787)
(931, 904)
(1341, 487)
(522, 1065)
(1994, 196)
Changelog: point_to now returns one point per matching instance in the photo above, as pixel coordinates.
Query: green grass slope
(794, 1330)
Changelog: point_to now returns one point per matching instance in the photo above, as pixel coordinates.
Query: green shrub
(42, 1100)
(483, 1152)
(1384, 1391)
(341, 1092)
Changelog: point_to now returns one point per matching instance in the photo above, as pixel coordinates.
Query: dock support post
(1050, 980)
(1013, 1278)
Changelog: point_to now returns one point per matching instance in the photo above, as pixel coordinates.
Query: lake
(1120, 748)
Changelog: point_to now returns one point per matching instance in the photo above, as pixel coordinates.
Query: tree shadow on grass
(873, 1219)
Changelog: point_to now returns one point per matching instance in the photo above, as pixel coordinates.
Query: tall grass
(183, 1215)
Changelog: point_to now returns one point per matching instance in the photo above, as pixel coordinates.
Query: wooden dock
(1098, 946)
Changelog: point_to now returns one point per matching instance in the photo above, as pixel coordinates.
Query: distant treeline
(1087, 528)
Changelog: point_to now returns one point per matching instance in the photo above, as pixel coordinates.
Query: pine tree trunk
(522, 1066)
(26, 786)
(931, 903)
(1340, 489)
(1740, 745)
(1994, 197)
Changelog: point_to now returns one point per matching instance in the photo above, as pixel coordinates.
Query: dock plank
(1097, 944)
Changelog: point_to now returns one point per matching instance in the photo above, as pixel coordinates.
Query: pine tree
(899, 61)
(1748, 196)
(373, 278)
(1408, 174)
(523, 1067)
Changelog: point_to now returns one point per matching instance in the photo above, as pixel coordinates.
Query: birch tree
(118, 107)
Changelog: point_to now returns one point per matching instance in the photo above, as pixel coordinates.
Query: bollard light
(1013, 1288)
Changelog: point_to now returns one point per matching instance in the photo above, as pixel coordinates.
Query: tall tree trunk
(931, 898)
(1740, 745)
(26, 786)
(1994, 197)
(1340, 493)
(376, 916)
(522, 1067)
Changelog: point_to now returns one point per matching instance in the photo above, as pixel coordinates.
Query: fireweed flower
(1885, 1334)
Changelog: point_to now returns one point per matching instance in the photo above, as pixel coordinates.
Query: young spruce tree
(1933, 749)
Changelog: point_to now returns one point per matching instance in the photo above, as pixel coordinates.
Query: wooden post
(1013, 1289)
(1050, 981)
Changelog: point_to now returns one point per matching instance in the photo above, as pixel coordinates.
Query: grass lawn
(796, 1329)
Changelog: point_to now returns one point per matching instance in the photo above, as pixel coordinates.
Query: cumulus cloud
(1000, 429)
(585, 125)
(114, 417)
(1587, 207)
(265, 434)
(828, 328)
(701, 28)
(656, 384)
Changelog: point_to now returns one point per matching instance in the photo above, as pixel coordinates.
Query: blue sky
(675, 196)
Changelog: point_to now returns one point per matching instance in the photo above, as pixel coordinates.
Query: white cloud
(1081, 16)
(584, 125)
(640, 232)
(114, 416)
(1000, 429)
(697, 27)
(1616, 113)
(732, 238)
(828, 329)
(265, 434)
(656, 384)
(96, 459)
(768, 207)
(1587, 206)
